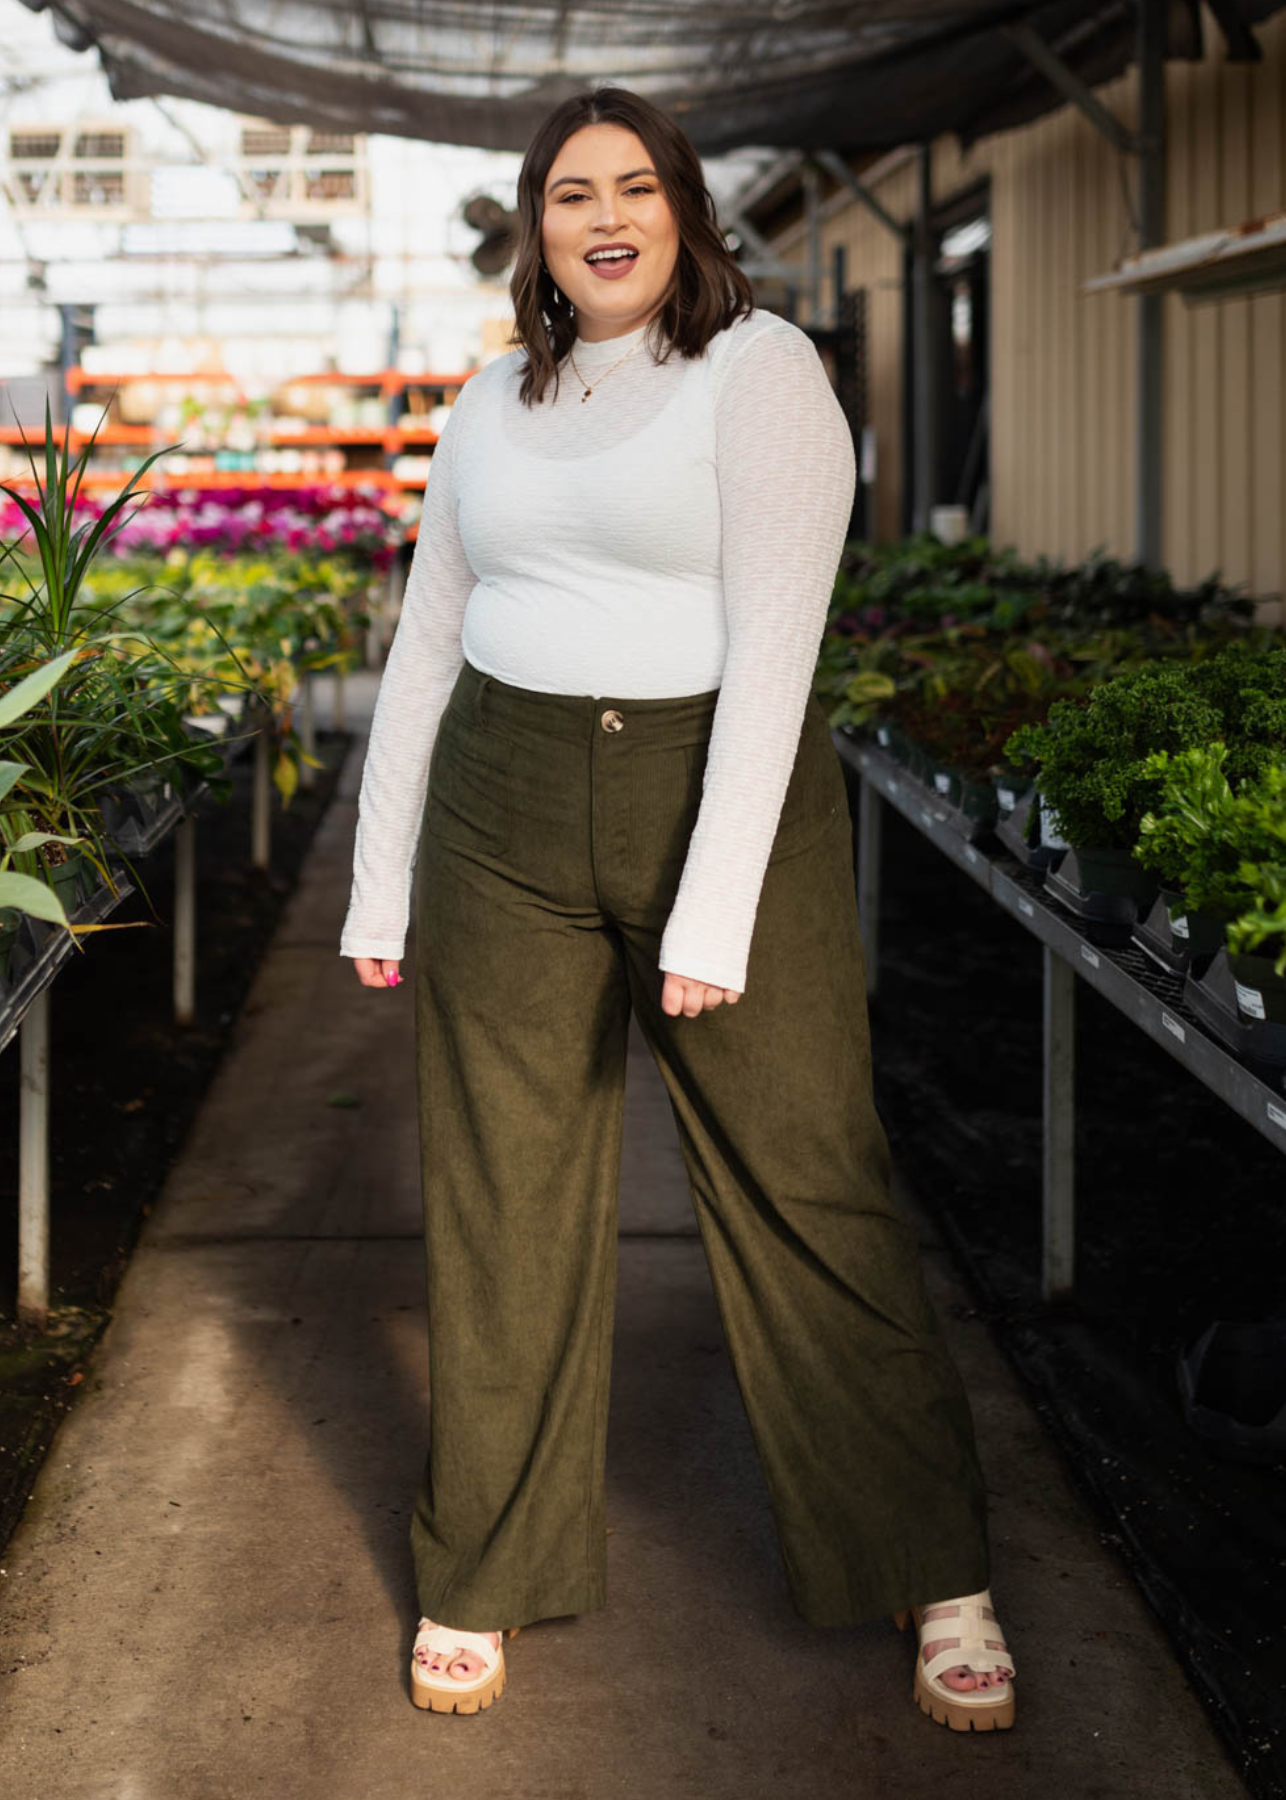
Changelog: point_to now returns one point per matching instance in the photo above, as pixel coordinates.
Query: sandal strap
(445, 1639)
(971, 1628)
(971, 1653)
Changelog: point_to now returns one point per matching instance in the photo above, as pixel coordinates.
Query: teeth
(604, 255)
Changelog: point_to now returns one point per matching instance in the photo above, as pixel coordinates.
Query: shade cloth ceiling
(808, 74)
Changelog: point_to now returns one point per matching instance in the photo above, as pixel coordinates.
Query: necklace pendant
(585, 396)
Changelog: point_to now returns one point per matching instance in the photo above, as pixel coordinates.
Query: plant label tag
(1276, 1116)
(1089, 956)
(971, 855)
(1007, 798)
(927, 819)
(1250, 1001)
(1173, 1027)
(1026, 908)
(942, 782)
(882, 736)
(1048, 836)
(1179, 926)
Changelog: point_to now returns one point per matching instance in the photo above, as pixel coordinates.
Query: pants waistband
(500, 706)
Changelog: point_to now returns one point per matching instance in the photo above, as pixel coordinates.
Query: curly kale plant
(1092, 757)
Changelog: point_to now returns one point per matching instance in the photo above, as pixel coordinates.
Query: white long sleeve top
(677, 533)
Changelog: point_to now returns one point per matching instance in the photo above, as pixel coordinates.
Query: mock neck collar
(596, 354)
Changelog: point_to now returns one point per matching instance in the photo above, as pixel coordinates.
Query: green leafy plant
(1092, 756)
(19, 892)
(114, 717)
(1224, 849)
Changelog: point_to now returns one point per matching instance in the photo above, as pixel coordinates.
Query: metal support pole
(373, 642)
(392, 609)
(922, 363)
(33, 1166)
(261, 816)
(185, 920)
(337, 720)
(1151, 60)
(810, 180)
(1058, 1238)
(870, 824)
(308, 731)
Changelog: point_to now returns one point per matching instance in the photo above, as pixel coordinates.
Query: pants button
(612, 720)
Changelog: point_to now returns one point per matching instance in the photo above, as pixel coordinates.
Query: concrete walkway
(210, 1594)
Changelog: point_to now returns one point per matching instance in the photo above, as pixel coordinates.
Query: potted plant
(21, 895)
(1225, 849)
(1191, 842)
(1097, 782)
(113, 715)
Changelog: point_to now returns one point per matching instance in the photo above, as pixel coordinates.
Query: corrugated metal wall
(1062, 458)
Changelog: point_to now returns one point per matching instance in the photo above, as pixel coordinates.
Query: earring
(571, 310)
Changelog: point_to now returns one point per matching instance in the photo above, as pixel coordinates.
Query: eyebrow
(584, 180)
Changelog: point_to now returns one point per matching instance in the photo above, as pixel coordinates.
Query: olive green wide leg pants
(554, 833)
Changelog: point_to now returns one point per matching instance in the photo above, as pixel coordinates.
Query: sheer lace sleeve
(787, 475)
(423, 662)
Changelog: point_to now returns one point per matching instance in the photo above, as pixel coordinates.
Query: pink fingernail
(393, 979)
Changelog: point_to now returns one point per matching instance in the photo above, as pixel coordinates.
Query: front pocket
(468, 790)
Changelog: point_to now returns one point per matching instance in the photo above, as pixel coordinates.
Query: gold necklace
(603, 377)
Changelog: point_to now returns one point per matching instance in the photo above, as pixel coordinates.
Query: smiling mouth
(610, 256)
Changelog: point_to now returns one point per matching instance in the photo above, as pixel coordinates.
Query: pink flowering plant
(242, 589)
(324, 520)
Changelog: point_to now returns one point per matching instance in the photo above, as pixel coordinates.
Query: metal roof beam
(1243, 45)
(836, 166)
(1070, 85)
(765, 258)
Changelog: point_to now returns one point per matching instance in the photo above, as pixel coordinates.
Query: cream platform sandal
(982, 1709)
(443, 1693)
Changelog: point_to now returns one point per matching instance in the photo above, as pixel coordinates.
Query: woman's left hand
(680, 994)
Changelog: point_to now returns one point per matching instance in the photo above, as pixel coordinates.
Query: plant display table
(1141, 990)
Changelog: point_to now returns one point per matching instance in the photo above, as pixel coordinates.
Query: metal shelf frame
(25, 1005)
(1145, 994)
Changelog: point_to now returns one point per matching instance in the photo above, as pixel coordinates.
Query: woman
(596, 744)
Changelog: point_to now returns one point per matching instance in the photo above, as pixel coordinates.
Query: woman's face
(601, 190)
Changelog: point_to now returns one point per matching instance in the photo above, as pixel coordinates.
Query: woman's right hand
(377, 972)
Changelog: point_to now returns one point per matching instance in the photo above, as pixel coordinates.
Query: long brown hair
(707, 290)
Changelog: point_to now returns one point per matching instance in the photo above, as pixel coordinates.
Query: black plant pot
(18, 946)
(1177, 940)
(970, 806)
(890, 738)
(1220, 994)
(1020, 833)
(1232, 1381)
(1106, 890)
(10, 929)
(1009, 788)
(1260, 990)
(72, 881)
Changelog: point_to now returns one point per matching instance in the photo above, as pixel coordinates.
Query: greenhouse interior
(836, 854)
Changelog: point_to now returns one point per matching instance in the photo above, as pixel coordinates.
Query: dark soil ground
(1181, 1219)
(127, 1082)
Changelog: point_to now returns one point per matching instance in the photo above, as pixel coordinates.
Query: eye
(640, 189)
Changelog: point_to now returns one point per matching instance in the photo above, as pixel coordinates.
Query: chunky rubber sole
(434, 1697)
(997, 1715)
(961, 1714)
